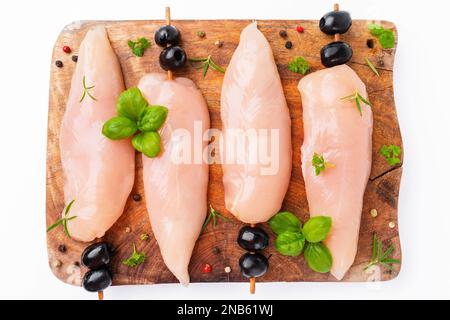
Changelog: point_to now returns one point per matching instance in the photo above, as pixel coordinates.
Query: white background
(28, 30)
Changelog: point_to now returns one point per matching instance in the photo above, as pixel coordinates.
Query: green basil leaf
(317, 228)
(152, 118)
(375, 29)
(387, 39)
(290, 243)
(285, 221)
(119, 128)
(148, 143)
(131, 103)
(318, 257)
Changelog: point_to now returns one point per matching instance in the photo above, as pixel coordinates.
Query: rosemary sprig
(358, 99)
(372, 67)
(213, 215)
(63, 221)
(380, 257)
(86, 91)
(206, 64)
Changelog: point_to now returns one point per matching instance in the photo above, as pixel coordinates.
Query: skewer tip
(252, 285)
(100, 295)
(336, 35)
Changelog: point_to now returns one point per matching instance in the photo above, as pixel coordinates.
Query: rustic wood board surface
(217, 246)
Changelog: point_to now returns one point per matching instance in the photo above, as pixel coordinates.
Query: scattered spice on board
(370, 43)
(62, 248)
(136, 197)
(288, 44)
(218, 43)
(144, 237)
(374, 213)
(67, 49)
(201, 34)
(227, 269)
(206, 268)
(59, 63)
(392, 224)
(56, 263)
(75, 58)
(283, 33)
(127, 229)
(300, 29)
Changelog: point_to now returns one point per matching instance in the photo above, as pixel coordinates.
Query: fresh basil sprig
(135, 116)
(292, 239)
(385, 36)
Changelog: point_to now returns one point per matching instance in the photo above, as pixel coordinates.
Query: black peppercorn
(283, 33)
(136, 197)
(370, 43)
(216, 250)
(62, 248)
(76, 263)
(75, 58)
(288, 45)
(59, 63)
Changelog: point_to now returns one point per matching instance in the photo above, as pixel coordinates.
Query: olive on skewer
(335, 23)
(253, 264)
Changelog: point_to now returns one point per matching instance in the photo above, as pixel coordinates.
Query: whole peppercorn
(300, 29)
(288, 44)
(136, 197)
(201, 34)
(59, 63)
(207, 268)
(62, 248)
(67, 49)
(75, 58)
(370, 43)
(283, 33)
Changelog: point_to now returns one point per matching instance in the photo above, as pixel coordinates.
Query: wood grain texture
(218, 246)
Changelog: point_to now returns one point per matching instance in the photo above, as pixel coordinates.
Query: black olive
(336, 53)
(97, 280)
(172, 58)
(252, 238)
(167, 35)
(97, 255)
(335, 22)
(253, 265)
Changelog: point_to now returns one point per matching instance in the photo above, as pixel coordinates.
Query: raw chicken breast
(253, 99)
(176, 191)
(98, 172)
(333, 127)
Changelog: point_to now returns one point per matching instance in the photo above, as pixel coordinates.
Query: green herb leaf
(319, 163)
(138, 47)
(290, 243)
(385, 36)
(379, 257)
(285, 221)
(391, 154)
(131, 103)
(148, 143)
(299, 65)
(358, 98)
(86, 90)
(372, 67)
(119, 128)
(152, 118)
(63, 221)
(135, 259)
(317, 228)
(206, 64)
(318, 257)
(213, 214)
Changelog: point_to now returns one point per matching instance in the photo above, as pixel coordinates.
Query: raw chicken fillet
(334, 127)
(253, 100)
(176, 189)
(98, 172)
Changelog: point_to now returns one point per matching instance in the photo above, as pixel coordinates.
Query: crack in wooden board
(381, 192)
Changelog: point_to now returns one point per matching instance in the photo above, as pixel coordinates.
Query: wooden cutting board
(217, 246)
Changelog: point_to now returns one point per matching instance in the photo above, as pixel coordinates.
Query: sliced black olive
(336, 53)
(335, 22)
(253, 265)
(97, 255)
(97, 280)
(252, 238)
(172, 58)
(167, 35)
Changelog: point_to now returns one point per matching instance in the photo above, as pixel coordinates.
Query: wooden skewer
(100, 295)
(252, 285)
(253, 279)
(169, 72)
(336, 35)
